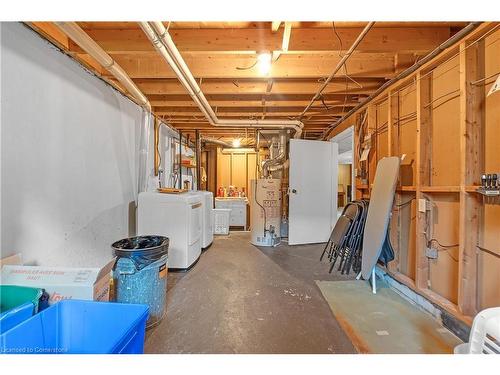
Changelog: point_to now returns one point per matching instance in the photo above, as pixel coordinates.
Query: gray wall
(69, 154)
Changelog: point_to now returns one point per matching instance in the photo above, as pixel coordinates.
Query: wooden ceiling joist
(303, 40)
(379, 65)
(151, 86)
(217, 54)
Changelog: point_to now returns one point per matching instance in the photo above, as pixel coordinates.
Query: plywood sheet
(239, 170)
(488, 280)
(445, 124)
(407, 134)
(223, 169)
(382, 138)
(445, 229)
(382, 145)
(492, 128)
(405, 225)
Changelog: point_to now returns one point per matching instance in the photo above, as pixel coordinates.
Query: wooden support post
(424, 147)
(392, 118)
(355, 157)
(372, 130)
(392, 101)
(472, 67)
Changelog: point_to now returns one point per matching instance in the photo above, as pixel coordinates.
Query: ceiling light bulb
(236, 142)
(264, 63)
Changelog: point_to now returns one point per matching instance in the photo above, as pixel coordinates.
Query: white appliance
(238, 207)
(208, 218)
(176, 216)
(265, 208)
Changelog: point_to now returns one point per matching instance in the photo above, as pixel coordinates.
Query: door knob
(294, 191)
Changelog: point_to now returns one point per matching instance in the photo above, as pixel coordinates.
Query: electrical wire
(344, 65)
(247, 67)
(488, 251)
(440, 244)
(405, 203)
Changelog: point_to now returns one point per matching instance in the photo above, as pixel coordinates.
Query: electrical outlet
(431, 253)
(421, 205)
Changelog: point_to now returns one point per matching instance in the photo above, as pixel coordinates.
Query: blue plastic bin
(77, 327)
(13, 317)
(17, 303)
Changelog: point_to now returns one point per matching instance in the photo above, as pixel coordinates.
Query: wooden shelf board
(406, 188)
(440, 189)
(472, 189)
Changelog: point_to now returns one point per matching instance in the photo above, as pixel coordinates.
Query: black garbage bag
(387, 253)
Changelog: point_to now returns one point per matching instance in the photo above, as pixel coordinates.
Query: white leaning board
(379, 209)
(313, 191)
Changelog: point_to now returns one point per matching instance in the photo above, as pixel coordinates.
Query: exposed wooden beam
(288, 66)
(265, 25)
(313, 40)
(250, 103)
(258, 86)
(232, 100)
(295, 110)
(472, 124)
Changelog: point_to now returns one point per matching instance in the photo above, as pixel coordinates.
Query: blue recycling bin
(80, 327)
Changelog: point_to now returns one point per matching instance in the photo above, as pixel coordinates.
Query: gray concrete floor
(242, 299)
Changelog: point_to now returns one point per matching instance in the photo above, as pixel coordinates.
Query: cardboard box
(62, 283)
(16, 259)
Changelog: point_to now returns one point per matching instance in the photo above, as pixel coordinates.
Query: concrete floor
(242, 299)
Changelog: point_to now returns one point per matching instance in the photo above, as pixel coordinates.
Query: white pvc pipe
(162, 41)
(80, 37)
(85, 42)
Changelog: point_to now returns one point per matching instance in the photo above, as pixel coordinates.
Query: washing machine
(208, 218)
(176, 216)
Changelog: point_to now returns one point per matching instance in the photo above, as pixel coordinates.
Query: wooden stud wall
(440, 119)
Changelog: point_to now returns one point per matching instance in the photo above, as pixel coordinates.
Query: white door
(313, 191)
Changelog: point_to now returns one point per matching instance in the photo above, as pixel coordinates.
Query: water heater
(265, 208)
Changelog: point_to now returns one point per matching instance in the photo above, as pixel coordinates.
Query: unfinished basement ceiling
(222, 55)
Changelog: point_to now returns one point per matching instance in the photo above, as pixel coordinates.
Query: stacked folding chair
(346, 240)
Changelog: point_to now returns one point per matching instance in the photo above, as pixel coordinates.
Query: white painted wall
(69, 154)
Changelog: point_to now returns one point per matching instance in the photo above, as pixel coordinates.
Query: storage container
(221, 220)
(77, 327)
(17, 303)
(140, 273)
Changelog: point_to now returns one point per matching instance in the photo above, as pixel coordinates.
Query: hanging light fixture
(236, 143)
(264, 63)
